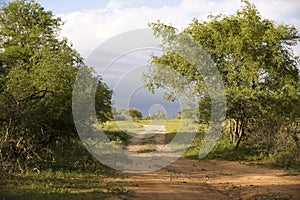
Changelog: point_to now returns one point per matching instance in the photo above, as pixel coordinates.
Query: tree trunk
(236, 135)
(241, 133)
(240, 138)
(232, 130)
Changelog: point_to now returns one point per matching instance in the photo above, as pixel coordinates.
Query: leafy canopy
(254, 57)
(37, 74)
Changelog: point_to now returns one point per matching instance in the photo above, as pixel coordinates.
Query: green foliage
(120, 127)
(25, 28)
(37, 81)
(283, 154)
(116, 132)
(255, 59)
(134, 113)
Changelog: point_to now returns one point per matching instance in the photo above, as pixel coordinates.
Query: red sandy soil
(215, 179)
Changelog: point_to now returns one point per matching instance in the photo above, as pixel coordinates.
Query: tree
(25, 28)
(255, 59)
(134, 113)
(37, 77)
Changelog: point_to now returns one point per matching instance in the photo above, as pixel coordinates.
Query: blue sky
(59, 6)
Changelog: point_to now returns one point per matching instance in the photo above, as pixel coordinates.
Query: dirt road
(215, 179)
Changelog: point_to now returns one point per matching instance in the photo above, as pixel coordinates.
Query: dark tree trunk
(240, 138)
(241, 132)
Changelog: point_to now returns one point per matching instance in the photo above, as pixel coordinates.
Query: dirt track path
(155, 142)
(215, 179)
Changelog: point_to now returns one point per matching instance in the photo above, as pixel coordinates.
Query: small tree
(134, 113)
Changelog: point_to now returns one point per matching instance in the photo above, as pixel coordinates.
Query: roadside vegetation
(260, 73)
(283, 155)
(41, 155)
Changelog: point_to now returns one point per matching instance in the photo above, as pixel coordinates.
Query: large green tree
(255, 59)
(37, 75)
(25, 28)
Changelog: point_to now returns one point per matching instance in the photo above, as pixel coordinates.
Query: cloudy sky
(89, 23)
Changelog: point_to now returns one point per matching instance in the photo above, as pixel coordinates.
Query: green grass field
(172, 125)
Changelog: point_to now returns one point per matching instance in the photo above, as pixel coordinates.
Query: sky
(90, 23)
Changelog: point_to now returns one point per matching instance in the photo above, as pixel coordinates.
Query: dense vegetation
(41, 156)
(260, 74)
(37, 74)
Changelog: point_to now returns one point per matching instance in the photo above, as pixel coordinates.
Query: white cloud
(88, 28)
(278, 10)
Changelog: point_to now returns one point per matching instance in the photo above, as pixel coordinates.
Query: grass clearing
(58, 185)
(172, 125)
